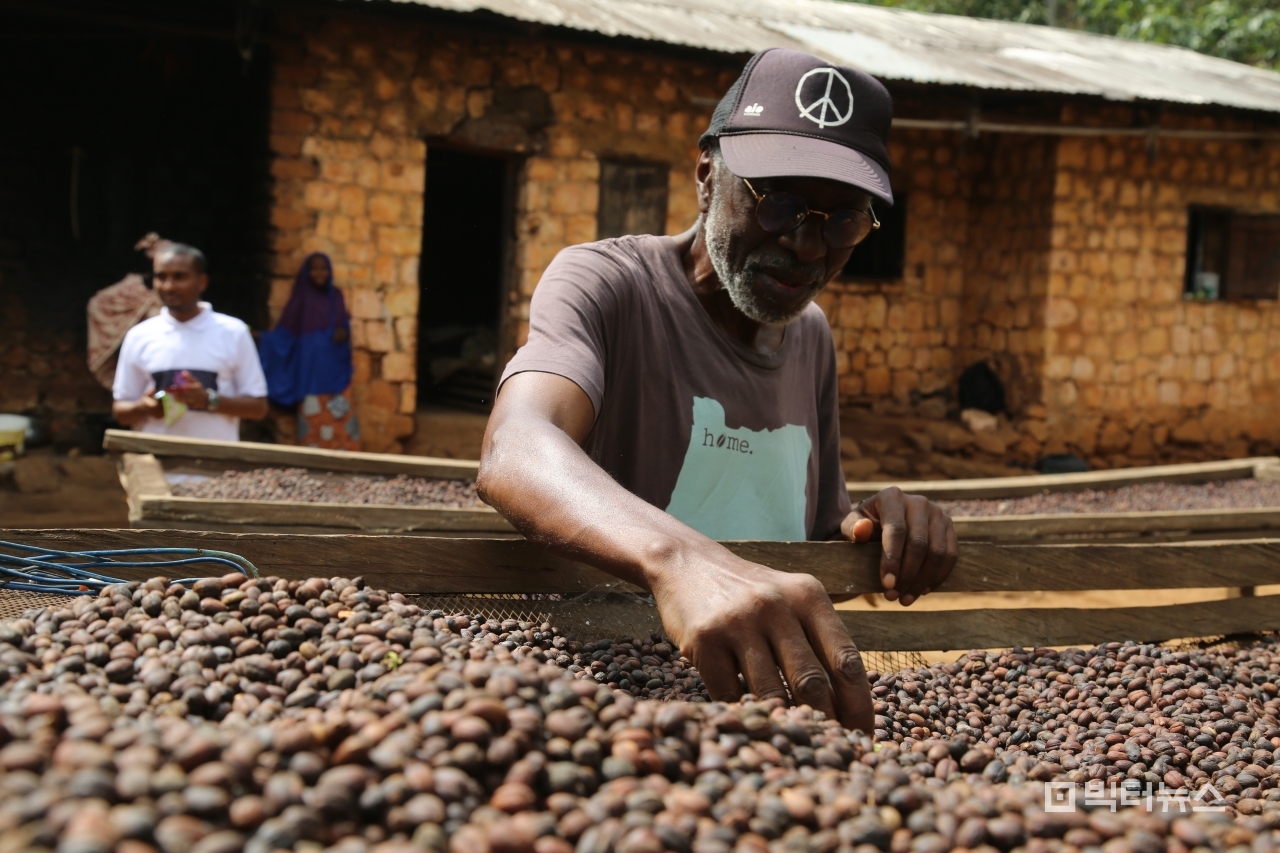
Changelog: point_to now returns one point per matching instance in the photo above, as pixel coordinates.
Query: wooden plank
(1010, 487)
(368, 517)
(423, 564)
(141, 475)
(298, 457)
(408, 564)
(1099, 523)
(904, 630)
(1267, 472)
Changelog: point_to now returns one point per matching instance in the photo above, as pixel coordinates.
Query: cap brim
(776, 155)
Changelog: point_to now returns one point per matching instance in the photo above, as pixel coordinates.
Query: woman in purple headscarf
(307, 359)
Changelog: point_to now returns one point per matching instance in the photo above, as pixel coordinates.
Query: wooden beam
(1099, 523)
(367, 517)
(141, 475)
(437, 565)
(407, 564)
(296, 457)
(440, 566)
(904, 630)
(1010, 487)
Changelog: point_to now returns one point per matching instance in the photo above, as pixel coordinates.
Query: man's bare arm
(132, 413)
(196, 396)
(729, 615)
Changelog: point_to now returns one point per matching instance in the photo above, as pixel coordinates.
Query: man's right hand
(138, 411)
(732, 616)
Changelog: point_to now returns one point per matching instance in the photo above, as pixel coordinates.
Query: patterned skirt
(328, 421)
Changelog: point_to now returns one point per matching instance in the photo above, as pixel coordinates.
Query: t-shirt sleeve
(249, 379)
(833, 495)
(572, 316)
(131, 379)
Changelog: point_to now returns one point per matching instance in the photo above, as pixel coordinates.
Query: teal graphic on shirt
(742, 483)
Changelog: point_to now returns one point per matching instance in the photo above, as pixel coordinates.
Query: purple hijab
(311, 308)
(299, 356)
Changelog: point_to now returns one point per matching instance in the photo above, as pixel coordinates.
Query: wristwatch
(212, 405)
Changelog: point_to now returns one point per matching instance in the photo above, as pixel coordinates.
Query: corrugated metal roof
(897, 45)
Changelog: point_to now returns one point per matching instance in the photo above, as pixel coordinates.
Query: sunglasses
(782, 213)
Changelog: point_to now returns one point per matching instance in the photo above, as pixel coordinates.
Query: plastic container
(13, 435)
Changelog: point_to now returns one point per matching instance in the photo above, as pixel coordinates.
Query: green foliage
(1242, 30)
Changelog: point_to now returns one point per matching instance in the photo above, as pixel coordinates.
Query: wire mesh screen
(1222, 643)
(603, 615)
(589, 616)
(13, 603)
(597, 615)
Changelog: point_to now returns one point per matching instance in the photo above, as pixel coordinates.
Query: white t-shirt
(217, 349)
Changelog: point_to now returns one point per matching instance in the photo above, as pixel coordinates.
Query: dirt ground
(451, 433)
(43, 490)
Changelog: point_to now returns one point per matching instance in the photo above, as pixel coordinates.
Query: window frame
(603, 184)
(1236, 230)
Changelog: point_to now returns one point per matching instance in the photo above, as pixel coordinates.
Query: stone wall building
(443, 159)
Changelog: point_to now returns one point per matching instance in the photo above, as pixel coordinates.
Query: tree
(1242, 30)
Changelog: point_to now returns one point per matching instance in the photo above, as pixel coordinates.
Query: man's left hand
(917, 537)
(194, 394)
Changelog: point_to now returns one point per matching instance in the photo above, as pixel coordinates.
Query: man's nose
(806, 242)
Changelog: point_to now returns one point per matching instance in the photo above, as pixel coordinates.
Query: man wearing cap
(675, 391)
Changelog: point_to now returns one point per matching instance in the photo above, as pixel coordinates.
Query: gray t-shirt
(735, 443)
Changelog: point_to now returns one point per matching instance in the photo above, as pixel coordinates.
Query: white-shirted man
(201, 359)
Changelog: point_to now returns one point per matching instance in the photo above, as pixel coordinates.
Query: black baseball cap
(791, 114)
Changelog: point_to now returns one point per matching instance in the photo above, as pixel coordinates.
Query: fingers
(941, 556)
(855, 708)
(889, 505)
(917, 547)
(918, 541)
(761, 669)
(719, 672)
(806, 675)
(862, 530)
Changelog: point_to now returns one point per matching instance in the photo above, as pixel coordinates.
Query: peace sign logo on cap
(822, 101)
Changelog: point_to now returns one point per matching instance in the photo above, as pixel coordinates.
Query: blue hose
(68, 572)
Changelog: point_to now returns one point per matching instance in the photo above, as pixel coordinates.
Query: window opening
(468, 213)
(633, 198)
(882, 256)
(1207, 230)
(1232, 255)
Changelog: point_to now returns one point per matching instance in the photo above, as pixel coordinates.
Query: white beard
(737, 283)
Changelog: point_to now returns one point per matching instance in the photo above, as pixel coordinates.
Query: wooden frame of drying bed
(1171, 524)
(437, 566)
(151, 501)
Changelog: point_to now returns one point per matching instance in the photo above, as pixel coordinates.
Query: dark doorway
(111, 132)
(467, 223)
(120, 119)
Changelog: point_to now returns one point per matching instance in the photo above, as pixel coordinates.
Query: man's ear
(204, 282)
(702, 174)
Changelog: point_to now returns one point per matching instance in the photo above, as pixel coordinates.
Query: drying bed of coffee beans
(299, 484)
(264, 715)
(1143, 497)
